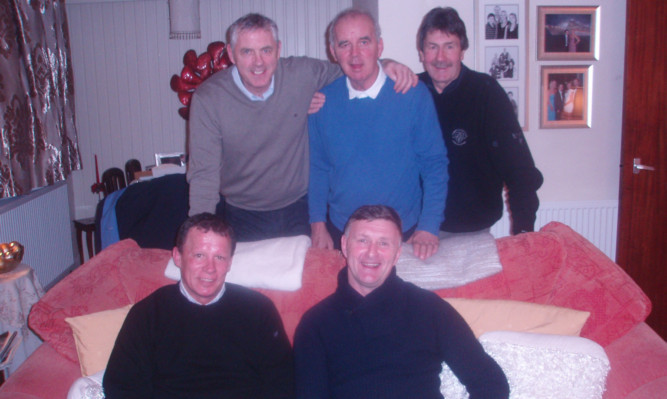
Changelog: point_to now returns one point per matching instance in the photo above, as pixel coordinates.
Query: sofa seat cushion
(638, 365)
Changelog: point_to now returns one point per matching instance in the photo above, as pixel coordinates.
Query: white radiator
(597, 221)
(41, 222)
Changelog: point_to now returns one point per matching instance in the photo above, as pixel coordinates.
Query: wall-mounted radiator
(597, 221)
(41, 222)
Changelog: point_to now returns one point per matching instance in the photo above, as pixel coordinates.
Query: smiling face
(372, 249)
(204, 262)
(442, 56)
(255, 54)
(357, 49)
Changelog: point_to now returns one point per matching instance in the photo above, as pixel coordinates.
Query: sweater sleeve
(465, 356)
(129, 371)
(310, 362)
(275, 360)
(511, 157)
(205, 157)
(431, 159)
(318, 185)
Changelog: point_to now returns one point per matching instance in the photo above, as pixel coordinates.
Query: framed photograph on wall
(565, 93)
(501, 45)
(567, 33)
(174, 158)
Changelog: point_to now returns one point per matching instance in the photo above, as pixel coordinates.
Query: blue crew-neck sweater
(387, 150)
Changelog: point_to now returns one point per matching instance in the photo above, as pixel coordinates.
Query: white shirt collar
(372, 91)
(189, 297)
(253, 97)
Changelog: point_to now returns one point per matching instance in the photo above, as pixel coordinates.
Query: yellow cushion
(483, 315)
(95, 335)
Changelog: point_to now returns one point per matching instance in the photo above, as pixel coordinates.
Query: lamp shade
(184, 19)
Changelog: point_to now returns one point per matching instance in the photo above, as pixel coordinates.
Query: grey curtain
(39, 142)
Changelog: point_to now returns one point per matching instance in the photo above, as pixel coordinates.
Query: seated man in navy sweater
(202, 337)
(377, 336)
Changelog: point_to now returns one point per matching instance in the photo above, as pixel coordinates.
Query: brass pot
(11, 255)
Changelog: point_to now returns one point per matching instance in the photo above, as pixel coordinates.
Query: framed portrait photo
(173, 158)
(567, 33)
(501, 43)
(565, 93)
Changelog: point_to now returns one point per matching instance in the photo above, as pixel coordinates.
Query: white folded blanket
(276, 263)
(461, 259)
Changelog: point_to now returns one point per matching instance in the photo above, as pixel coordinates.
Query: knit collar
(372, 91)
(351, 299)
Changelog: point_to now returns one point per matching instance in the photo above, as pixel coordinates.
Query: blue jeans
(291, 220)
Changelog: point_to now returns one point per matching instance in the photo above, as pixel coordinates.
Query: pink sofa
(554, 266)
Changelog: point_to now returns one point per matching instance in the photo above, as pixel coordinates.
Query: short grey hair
(352, 12)
(251, 22)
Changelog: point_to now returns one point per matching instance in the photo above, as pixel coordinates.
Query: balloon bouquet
(196, 69)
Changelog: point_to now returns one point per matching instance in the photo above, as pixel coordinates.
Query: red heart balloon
(184, 97)
(215, 49)
(203, 61)
(190, 58)
(184, 112)
(189, 76)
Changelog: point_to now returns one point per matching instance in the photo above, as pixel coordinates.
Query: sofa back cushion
(557, 266)
(100, 284)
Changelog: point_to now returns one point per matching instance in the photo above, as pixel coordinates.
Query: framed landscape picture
(567, 33)
(565, 96)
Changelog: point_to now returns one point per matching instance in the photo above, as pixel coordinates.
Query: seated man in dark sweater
(202, 337)
(380, 337)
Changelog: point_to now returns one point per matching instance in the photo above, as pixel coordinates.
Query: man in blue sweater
(377, 336)
(369, 144)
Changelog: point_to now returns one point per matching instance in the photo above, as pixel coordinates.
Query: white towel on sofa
(276, 263)
(461, 259)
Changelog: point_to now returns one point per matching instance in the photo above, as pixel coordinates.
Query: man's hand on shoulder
(320, 236)
(316, 103)
(403, 76)
(424, 244)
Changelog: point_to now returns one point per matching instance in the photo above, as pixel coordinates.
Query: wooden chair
(113, 179)
(131, 166)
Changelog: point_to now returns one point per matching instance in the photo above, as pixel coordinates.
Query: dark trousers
(289, 221)
(336, 234)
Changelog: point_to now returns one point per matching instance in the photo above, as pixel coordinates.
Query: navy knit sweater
(169, 347)
(389, 344)
(487, 152)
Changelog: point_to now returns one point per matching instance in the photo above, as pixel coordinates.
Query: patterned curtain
(39, 140)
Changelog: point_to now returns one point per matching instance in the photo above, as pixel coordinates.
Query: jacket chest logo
(459, 137)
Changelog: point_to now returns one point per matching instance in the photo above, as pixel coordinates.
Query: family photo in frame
(564, 96)
(567, 33)
(502, 50)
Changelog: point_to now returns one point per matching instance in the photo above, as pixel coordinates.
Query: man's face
(492, 20)
(503, 16)
(561, 87)
(372, 249)
(442, 56)
(357, 50)
(204, 263)
(255, 55)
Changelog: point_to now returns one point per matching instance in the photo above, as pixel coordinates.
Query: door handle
(636, 166)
